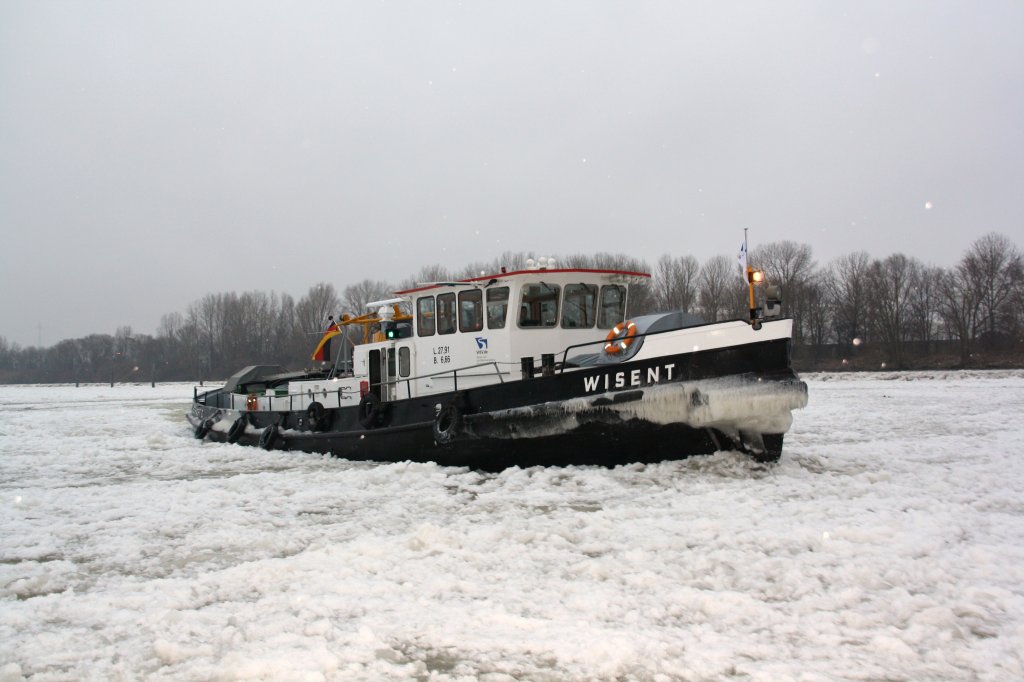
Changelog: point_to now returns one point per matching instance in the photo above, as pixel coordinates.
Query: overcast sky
(151, 153)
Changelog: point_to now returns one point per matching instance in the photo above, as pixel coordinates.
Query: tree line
(894, 307)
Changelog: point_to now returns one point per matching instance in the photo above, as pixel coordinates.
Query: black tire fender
(316, 416)
(369, 410)
(202, 429)
(268, 437)
(236, 430)
(447, 424)
(772, 448)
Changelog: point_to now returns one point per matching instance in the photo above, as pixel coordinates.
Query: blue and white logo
(481, 343)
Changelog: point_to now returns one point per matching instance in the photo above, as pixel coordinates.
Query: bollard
(527, 366)
(547, 364)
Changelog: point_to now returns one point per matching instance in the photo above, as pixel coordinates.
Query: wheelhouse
(480, 330)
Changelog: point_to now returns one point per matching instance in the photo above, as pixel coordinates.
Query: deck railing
(454, 372)
(230, 401)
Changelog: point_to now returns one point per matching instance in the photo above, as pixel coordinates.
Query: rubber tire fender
(772, 448)
(202, 429)
(369, 410)
(236, 430)
(268, 437)
(316, 416)
(447, 424)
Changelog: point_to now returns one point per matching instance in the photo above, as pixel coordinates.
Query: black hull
(649, 411)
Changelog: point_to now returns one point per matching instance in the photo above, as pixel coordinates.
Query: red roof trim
(499, 275)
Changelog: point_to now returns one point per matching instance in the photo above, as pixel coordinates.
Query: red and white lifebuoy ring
(620, 337)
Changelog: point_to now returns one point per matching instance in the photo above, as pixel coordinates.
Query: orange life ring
(251, 403)
(614, 343)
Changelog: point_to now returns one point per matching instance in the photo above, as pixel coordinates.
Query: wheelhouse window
(425, 316)
(497, 307)
(613, 306)
(538, 306)
(446, 314)
(471, 309)
(579, 306)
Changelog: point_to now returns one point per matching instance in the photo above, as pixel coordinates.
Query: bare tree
(313, 309)
(257, 317)
(206, 316)
(846, 287)
(95, 352)
(924, 309)
(719, 284)
(892, 281)
(194, 346)
(7, 353)
(356, 296)
(818, 312)
(784, 262)
(122, 342)
(425, 275)
(1017, 305)
(291, 344)
(170, 325)
(994, 268)
(676, 282)
(235, 344)
(958, 306)
(664, 281)
(576, 260)
(474, 270)
(510, 260)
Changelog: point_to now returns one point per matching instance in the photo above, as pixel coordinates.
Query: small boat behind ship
(540, 366)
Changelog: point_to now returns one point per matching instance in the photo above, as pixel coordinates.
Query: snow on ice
(887, 544)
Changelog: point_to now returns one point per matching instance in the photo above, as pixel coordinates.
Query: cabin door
(404, 362)
(383, 370)
(373, 370)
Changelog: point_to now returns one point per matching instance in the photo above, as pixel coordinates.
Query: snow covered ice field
(887, 544)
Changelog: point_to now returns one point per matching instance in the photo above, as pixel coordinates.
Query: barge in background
(535, 367)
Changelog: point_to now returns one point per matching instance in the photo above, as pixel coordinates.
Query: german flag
(323, 349)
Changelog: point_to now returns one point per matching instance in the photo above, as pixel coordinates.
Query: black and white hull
(681, 392)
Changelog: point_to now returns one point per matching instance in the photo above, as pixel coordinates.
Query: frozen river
(887, 544)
